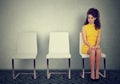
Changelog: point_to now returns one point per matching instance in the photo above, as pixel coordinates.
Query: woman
(91, 34)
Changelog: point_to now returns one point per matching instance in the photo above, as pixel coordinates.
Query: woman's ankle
(92, 75)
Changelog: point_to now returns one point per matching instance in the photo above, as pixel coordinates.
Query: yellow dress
(91, 37)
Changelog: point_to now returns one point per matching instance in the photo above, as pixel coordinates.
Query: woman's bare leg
(98, 60)
(92, 62)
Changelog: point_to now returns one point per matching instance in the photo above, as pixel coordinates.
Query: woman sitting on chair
(91, 34)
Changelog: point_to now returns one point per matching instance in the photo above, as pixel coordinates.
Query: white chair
(26, 49)
(58, 49)
(85, 56)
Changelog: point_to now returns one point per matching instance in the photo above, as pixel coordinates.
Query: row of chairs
(58, 49)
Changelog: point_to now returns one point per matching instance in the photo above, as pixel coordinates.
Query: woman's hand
(97, 46)
(92, 47)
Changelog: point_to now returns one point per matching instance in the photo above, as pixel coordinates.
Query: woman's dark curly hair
(95, 13)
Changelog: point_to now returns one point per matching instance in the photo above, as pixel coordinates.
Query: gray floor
(113, 77)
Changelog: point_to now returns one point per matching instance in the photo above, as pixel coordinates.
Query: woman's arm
(84, 38)
(98, 39)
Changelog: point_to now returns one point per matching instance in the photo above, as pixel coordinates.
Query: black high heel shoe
(97, 79)
(93, 79)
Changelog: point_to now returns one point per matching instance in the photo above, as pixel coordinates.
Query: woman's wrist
(90, 46)
(97, 46)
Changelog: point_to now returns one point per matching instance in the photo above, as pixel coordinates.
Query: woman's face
(91, 19)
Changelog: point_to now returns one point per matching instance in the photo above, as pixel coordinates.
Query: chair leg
(48, 69)
(104, 67)
(69, 71)
(13, 72)
(83, 68)
(34, 64)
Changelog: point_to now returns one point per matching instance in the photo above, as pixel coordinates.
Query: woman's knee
(92, 52)
(98, 51)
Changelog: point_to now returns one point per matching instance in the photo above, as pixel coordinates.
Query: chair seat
(25, 56)
(58, 56)
(87, 56)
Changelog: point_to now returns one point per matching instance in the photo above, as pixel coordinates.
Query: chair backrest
(27, 43)
(80, 43)
(59, 42)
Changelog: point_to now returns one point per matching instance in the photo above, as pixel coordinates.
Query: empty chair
(58, 49)
(84, 56)
(26, 49)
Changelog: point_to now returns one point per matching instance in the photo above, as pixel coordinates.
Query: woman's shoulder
(99, 30)
(84, 26)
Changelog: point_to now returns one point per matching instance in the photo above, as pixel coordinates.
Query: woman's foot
(92, 76)
(97, 76)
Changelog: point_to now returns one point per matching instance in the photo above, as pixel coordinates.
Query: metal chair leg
(13, 72)
(83, 68)
(48, 69)
(104, 67)
(69, 71)
(34, 64)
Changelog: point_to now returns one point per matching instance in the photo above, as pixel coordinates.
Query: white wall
(45, 16)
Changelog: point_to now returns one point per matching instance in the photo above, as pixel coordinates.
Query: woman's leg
(92, 62)
(98, 60)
